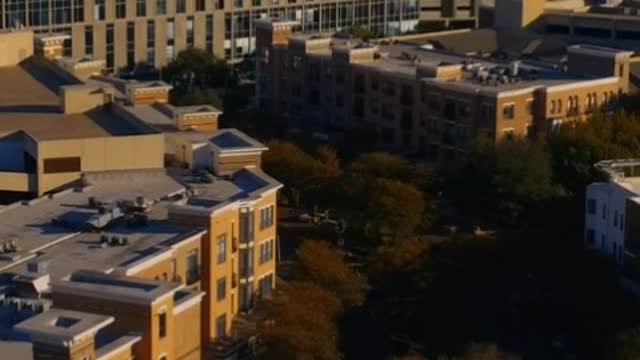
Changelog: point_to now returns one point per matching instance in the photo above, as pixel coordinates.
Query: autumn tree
(197, 68)
(624, 345)
(301, 324)
(483, 352)
(321, 264)
(302, 174)
(361, 32)
(395, 207)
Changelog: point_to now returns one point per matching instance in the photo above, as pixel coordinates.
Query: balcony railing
(234, 280)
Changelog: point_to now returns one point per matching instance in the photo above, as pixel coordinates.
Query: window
(121, 9)
(109, 46)
(591, 236)
(181, 6)
(60, 12)
(237, 4)
(375, 84)
(190, 32)
(615, 218)
(221, 246)
(246, 226)
(98, 10)
(266, 251)
(151, 36)
(529, 106)
(221, 289)
(161, 7)
(221, 326)
(162, 325)
(266, 217)
(508, 111)
(88, 40)
(265, 285)
(130, 45)
(245, 265)
(407, 95)
(78, 10)
(141, 8)
(171, 53)
(388, 88)
(61, 165)
(39, 12)
(591, 206)
(388, 111)
(193, 267)
(604, 211)
(209, 34)
(199, 5)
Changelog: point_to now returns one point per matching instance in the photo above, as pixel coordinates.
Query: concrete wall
(100, 154)
(15, 47)
(76, 99)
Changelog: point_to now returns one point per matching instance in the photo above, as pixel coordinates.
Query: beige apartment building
(420, 100)
(129, 32)
(122, 258)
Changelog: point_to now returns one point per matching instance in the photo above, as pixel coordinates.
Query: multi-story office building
(612, 211)
(123, 260)
(127, 32)
(614, 23)
(423, 100)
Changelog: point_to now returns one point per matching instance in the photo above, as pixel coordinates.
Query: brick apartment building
(118, 257)
(426, 101)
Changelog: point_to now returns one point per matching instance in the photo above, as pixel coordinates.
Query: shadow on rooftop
(32, 109)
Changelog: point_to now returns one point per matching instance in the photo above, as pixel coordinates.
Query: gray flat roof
(115, 287)
(16, 349)
(244, 185)
(234, 140)
(31, 226)
(63, 325)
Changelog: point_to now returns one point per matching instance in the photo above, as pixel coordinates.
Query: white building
(611, 209)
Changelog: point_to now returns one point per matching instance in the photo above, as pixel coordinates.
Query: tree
(200, 97)
(483, 352)
(507, 179)
(395, 260)
(301, 324)
(624, 345)
(577, 146)
(361, 32)
(395, 207)
(321, 264)
(301, 173)
(198, 68)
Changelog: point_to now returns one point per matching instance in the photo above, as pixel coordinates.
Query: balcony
(234, 280)
(193, 276)
(234, 245)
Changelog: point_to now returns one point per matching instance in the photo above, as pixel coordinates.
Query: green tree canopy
(507, 178)
(198, 68)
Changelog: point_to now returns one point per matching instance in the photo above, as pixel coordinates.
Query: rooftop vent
(39, 266)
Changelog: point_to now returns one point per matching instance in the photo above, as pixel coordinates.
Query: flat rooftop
(63, 325)
(234, 140)
(30, 223)
(244, 184)
(29, 101)
(403, 58)
(115, 287)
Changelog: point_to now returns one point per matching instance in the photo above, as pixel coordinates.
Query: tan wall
(187, 339)
(101, 154)
(228, 164)
(15, 47)
(15, 181)
(163, 270)
(132, 318)
(76, 99)
(125, 353)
